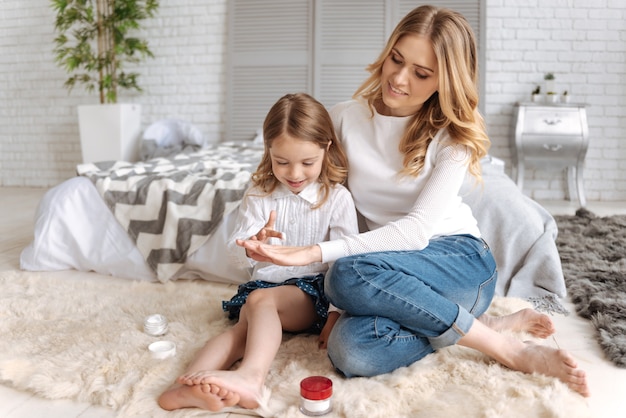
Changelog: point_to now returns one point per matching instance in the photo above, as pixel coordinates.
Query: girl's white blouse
(300, 225)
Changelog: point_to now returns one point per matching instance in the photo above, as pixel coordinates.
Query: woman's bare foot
(204, 396)
(521, 356)
(535, 358)
(527, 320)
(247, 387)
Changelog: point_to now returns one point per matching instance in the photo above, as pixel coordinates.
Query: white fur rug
(80, 336)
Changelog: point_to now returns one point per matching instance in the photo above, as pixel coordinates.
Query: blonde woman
(421, 277)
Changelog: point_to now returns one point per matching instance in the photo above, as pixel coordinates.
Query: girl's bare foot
(526, 320)
(204, 396)
(247, 388)
(534, 358)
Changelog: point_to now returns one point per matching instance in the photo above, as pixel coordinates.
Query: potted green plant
(566, 97)
(549, 80)
(552, 97)
(94, 42)
(536, 95)
(551, 94)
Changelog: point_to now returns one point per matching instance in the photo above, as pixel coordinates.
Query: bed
(167, 218)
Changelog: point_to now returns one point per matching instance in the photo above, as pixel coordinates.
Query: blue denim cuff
(459, 328)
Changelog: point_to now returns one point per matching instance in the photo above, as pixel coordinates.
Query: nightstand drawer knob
(552, 122)
(552, 147)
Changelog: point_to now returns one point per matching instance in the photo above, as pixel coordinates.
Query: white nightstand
(551, 136)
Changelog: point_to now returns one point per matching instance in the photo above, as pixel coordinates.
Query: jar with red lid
(316, 394)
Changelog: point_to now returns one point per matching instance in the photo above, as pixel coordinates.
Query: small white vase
(552, 98)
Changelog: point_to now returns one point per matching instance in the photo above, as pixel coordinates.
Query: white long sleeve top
(300, 224)
(401, 212)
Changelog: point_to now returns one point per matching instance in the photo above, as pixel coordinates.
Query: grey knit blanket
(170, 206)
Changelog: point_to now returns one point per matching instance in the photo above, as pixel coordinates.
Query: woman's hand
(322, 340)
(280, 254)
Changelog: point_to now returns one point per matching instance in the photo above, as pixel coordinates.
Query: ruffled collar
(310, 193)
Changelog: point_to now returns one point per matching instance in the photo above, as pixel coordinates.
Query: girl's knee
(258, 297)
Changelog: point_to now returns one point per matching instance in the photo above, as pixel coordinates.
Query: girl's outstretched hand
(280, 254)
(268, 230)
(265, 234)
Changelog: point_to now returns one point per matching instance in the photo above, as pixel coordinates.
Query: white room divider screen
(316, 46)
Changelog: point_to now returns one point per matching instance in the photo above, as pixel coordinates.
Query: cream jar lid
(162, 349)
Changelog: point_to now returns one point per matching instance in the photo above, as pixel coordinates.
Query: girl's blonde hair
(455, 104)
(300, 116)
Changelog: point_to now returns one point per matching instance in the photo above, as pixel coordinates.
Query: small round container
(316, 393)
(162, 349)
(155, 325)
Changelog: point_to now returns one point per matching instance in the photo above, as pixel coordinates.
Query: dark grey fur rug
(593, 254)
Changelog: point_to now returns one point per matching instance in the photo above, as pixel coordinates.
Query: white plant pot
(109, 132)
(552, 98)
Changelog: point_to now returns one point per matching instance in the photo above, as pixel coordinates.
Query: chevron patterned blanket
(170, 206)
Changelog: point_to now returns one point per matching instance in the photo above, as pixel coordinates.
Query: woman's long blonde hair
(301, 117)
(455, 104)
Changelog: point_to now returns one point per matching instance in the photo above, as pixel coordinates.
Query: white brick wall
(582, 41)
(39, 143)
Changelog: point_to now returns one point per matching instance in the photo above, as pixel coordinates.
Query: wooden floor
(608, 383)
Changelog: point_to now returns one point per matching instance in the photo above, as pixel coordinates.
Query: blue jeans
(403, 305)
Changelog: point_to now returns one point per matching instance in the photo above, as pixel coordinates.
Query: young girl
(296, 196)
